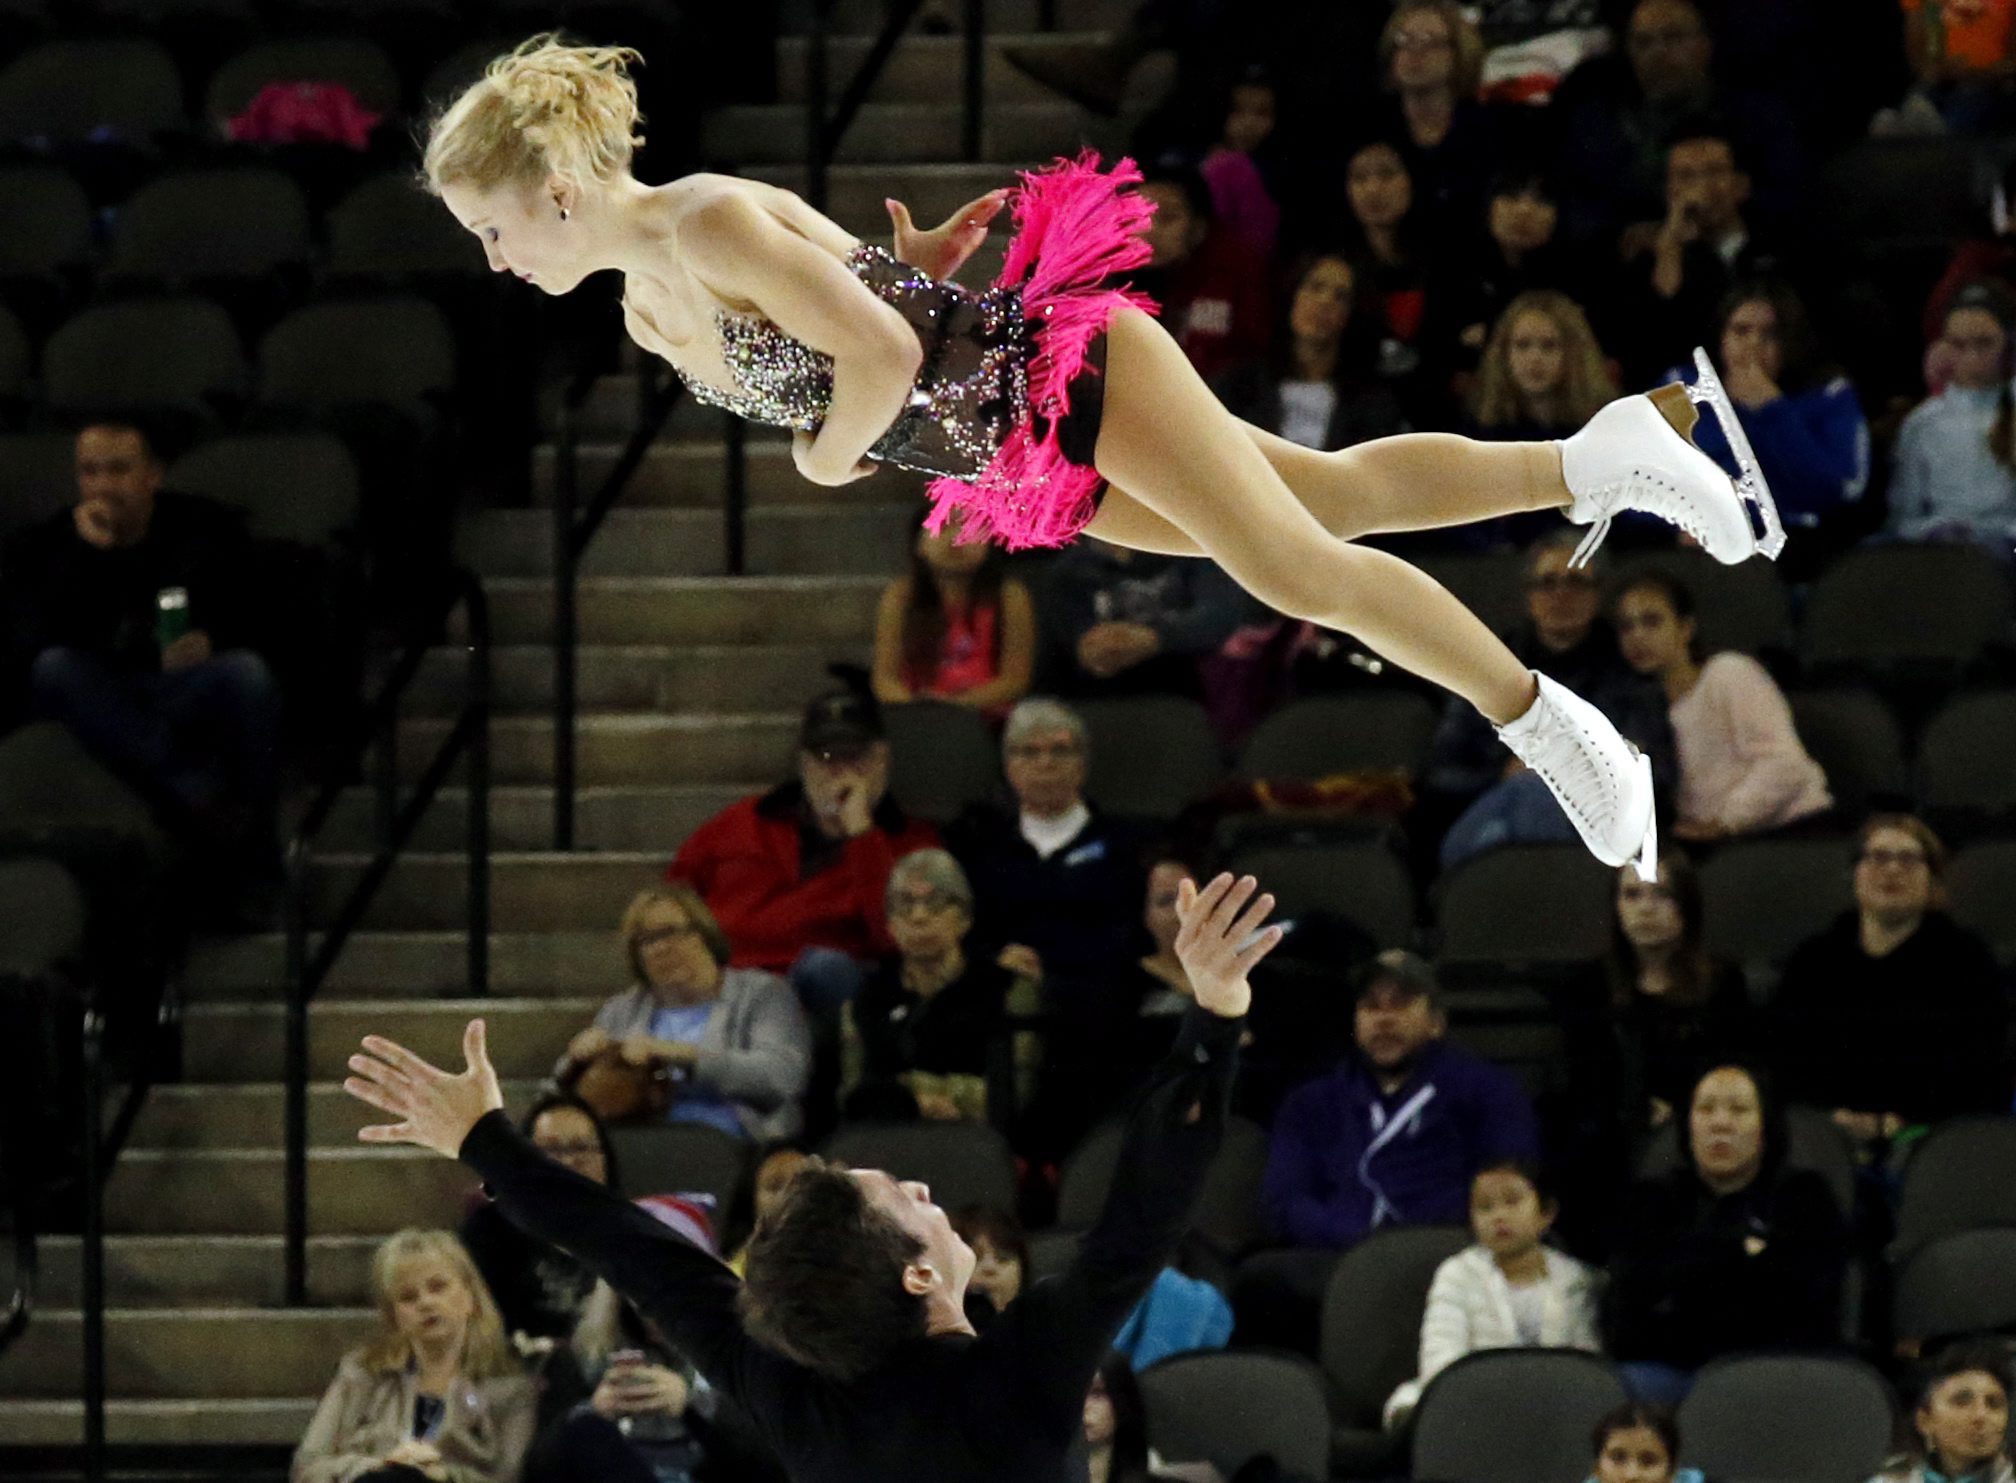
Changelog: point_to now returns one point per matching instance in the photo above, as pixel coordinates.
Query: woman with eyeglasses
(1892, 1017)
(692, 1039)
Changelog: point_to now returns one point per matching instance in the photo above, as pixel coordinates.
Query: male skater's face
(908, 1204)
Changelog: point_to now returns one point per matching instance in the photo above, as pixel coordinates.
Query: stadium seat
(963, 1163)
(1513, 1026)
(1327, 735)
(942, 758)
(1762, 898)
(394, 353)
(195, 226)
(1492, 585)
(1371, 1336)
(298, 487)
(387, 230)
(45, 224)
(1743, 607)
(1965, 764)
(1362, 881)
(460, 68)
(1906, 612)
(1229, 1407)
(43, 925)
(1786, 1419)
(55, 798)
(1542, 1406)
(1525, 905)
(680, 1159)
(1980, 885)
(168, 354)
(1961, 1178)
(120, 90)
(17, 360)
(1152, 755)
(357, 64)
(1812, 1142)
(1854, 737)
(1959, 1285)
(1228, 1207)
(38, 477)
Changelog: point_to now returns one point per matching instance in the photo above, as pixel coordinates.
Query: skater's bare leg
(1168, 446)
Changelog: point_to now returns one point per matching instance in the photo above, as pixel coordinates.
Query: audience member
(1743, 768)
(1893, 1016)
(1509, 1290)
(129, 616)
(956, 628)
(1235, 168)
(1393, 1136)
(693, 1039)
(1801, 415)
(1320, 387)
(773, 1177)
(1964, 58)
(797, 876)
(1211, 286)
(927, 1034)
(1391, 239)
(1431, 56)
(1639, 1443)
(436, 1394)
(1542, 376)
(1116, 1427)
(1564, 637)
(1734, 1250)
(1000, 1260)
(1989, 254)
(1156, 985)
(1953, 470)
(1960, 1422)
(1122, 622)
(1515, 255)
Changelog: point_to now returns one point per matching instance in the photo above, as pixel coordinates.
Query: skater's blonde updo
(545, 109)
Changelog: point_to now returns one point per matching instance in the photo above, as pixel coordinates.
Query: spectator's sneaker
(1603, 783)
(1638, 453)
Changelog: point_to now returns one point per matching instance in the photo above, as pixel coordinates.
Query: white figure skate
(1638, 453)
(1603, 783)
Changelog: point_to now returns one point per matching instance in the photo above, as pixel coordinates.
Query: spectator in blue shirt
(1954, 475)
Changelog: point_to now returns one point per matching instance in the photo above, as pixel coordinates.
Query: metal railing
(308, 969)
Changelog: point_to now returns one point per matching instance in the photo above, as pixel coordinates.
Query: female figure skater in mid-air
(848, 1343)
(1054, 403)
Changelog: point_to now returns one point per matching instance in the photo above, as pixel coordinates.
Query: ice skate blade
(1648, 852)
(1709, 392)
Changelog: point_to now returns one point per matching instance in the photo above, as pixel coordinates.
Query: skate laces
(1555, 748)
(1590, 542)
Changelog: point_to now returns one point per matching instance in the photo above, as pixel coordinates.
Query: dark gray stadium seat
(1512, 1026)
(1326, 735)
(1743, 607)
(1542, 1406)
(1906, 611)
(1525, 904)
(194, 225)
(1957, 1286)
(963, 1163)
(55, 797)
(1371, 1336)
(942, 758)
(1980, 887)
(1228, 1206)
(292, 486)
(17, 358)
(45, 222)
(1762, 898)
(43, 925)
(1361, 881)
(173, 354)
(682, 1158)
(1812, 1142)
(389, 229)
(1228, 1407)
(38, 477)
(1965, 760)
(1492, 585)
(359, 65)
(1962, 1177)
(1152, 756)
(1856, 741)
(394, 352)
(460, 68)
(1773, 1418)
(72, 90)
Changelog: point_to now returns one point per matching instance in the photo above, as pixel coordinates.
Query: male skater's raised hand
(435, 1110)
(1222, 938)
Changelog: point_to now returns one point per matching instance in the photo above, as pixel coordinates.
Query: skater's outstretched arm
(1063, 1328)
(682, 1289)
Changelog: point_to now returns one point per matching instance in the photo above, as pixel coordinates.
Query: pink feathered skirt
(1077, 229)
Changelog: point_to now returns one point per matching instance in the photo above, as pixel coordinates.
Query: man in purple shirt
(1393, 1136)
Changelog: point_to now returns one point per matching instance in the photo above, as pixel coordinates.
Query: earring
(563, 213)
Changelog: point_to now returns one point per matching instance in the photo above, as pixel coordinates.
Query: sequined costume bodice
(970, 390)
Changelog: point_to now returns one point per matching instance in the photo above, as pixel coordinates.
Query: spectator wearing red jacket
(1211, 285)
(797, 876)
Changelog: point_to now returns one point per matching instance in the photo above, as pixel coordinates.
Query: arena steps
(188, 1353)
(240, 1042)
(836, 612)
(529, 891)
(161, 1423)
(240, 1115)
(816, 538)
(929, 69)
(360, 1191)
(414, 965)
(664, 679)
(692, 473)
(233, 1272)
(606, 816)
(635, 748)
(898, 134)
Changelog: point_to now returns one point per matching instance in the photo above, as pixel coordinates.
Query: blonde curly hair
(546, 108)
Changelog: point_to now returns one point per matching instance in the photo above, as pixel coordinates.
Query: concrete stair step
(812, 539)
(929, 69)
(391, 965)
(351, 1192)
(828, 612)
(694, 474)
(521, 816)
(188, 1353)
(904, 133)
(528, 892)
(855, 193)
(193, 1115)
(206, 1271)
(238, 1043)
(212, 1422)
(613, 749)
(866, 17)
(660, 678)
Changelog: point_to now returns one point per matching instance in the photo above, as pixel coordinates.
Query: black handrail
(306, 971)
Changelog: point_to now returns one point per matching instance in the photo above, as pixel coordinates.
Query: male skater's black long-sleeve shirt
(1002, 1408)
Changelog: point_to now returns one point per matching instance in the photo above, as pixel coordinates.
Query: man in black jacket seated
(849, 1343)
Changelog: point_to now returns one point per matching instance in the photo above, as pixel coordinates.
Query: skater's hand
(1221, 938)
(943, 250)
(804, 453)
(434, 1109)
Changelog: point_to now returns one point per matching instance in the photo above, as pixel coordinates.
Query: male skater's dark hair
(825, 1277)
